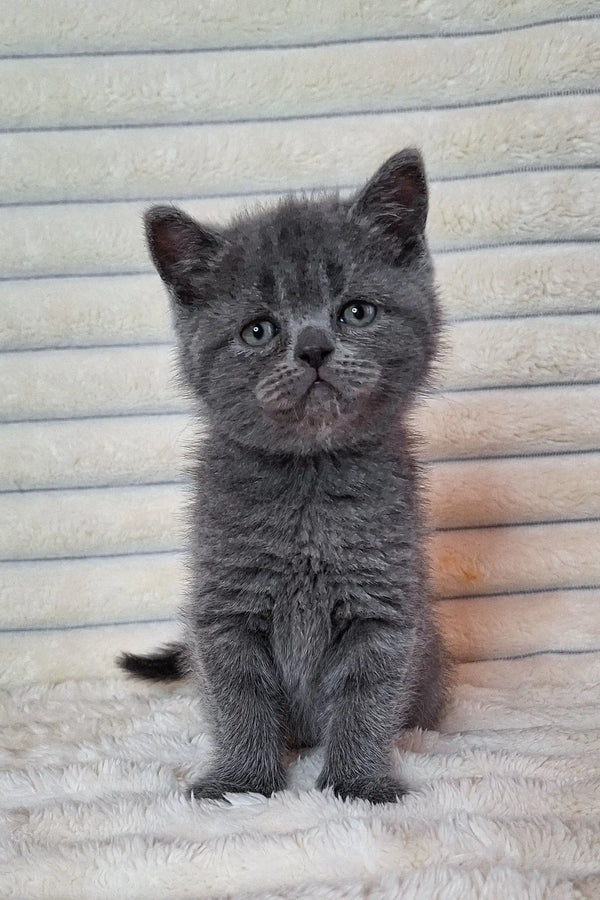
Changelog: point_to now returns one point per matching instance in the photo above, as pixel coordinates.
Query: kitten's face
(305, 327)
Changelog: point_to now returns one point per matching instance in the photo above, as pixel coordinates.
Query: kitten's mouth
(320, 390)
(320, 403)
(313, 403)
(322, 385)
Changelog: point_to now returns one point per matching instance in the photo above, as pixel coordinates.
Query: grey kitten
(305, 331)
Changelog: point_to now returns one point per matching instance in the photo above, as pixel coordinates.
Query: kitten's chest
(296, 545)
(310, 590)
(317, 528)
(327, 551)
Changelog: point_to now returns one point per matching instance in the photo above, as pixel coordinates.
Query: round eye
(259, 333)
(358, 314)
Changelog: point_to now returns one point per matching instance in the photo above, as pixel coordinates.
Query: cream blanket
(107, 107)
(506, 802)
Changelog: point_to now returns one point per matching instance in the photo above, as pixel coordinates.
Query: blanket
(106, 108)
(505, 802)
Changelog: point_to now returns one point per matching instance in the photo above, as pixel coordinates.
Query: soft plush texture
(506, 801)
(108, 107)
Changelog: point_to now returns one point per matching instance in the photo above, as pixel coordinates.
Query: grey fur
(309, 617)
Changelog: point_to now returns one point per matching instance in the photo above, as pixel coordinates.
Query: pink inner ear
(178, 244)
(398, 188)
(167, 240)
(394, 203)
(396, 197)
(407, 189)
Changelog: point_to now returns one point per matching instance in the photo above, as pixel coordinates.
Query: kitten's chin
(321, 401)
(322, 417)
(317, 405)
(308, 413)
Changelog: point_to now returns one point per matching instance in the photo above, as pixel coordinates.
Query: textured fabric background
(106, 107)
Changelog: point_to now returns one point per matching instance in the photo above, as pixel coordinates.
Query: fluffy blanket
(107, 107)
(506, 800)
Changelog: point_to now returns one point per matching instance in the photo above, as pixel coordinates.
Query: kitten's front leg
(249, 729)
(366, 691)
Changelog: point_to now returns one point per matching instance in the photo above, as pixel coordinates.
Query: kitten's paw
(375, 790)
(214, 787)
(211, 789)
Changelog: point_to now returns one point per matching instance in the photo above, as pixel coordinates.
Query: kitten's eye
(358, 314)
(259, 333)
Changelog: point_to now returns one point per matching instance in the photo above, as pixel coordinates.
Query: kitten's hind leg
(431, 684)
(165, 664)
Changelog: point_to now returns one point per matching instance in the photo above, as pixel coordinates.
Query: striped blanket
(108, 107)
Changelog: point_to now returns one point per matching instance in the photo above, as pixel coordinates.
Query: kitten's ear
(180, 248)
(395, 200)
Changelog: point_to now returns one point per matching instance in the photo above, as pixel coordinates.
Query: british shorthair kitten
(304, 332)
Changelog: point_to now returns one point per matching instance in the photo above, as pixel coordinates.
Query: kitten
(305, 331)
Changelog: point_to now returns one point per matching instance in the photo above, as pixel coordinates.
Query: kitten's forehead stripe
(297, 247)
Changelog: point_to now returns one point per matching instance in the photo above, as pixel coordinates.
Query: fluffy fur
(309, 618)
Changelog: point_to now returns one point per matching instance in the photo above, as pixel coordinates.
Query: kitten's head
(308, 326)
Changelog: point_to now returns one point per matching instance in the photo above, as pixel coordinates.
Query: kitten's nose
(314, 345)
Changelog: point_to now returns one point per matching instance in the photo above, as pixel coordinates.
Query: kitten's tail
(168, 663)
